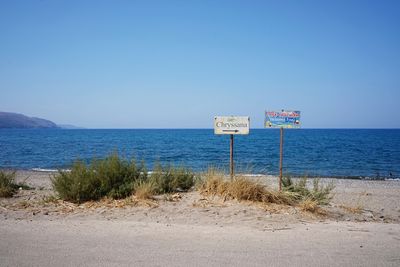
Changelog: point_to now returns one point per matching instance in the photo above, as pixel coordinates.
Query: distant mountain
(69, 126)
(15, 120)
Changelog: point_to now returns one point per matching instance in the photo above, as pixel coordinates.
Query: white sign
(231, 125)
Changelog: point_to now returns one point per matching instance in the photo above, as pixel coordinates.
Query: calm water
(344, 153)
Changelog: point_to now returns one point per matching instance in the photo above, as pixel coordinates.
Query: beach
(360, 227)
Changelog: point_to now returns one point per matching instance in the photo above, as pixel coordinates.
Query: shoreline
(355, 177)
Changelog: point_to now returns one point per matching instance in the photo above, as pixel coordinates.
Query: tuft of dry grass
(358, 209)
(309, 204)
(240, 188)
(358, 206)
(144, 189)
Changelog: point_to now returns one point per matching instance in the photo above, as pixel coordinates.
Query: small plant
(78, 185)
(300, 192)
(8, 187)
(357, 207)
(7, 184)
(308, 205)
(144, 189)
(171, 179)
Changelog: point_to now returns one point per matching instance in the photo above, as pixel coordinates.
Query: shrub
(7, 185)
(112, 177)
(117, 178)
(299, 190)
(171, 179)
(78, 185)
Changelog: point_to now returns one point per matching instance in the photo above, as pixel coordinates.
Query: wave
(49, 170)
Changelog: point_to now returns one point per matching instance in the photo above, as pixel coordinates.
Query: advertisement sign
(282, 119)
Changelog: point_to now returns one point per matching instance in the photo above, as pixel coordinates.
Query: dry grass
(358, 206)
(309, 205)
(172, 197)
(144, 189)
(358, 209)
(240, 188)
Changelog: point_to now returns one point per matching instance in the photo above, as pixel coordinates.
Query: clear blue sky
(176, 64)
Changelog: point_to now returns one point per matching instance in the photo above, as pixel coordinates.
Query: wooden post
(280, 160)
(231, 157)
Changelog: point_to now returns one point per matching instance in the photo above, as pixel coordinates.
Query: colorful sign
(231, 125)
(282, 119)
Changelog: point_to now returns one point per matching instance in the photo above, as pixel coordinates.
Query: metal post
(231, 157)
(280, 160)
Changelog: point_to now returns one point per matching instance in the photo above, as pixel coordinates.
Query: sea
(342, 153)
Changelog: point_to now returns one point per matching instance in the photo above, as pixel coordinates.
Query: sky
(177, 64)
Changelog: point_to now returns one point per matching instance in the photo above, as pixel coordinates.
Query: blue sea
(346, 153)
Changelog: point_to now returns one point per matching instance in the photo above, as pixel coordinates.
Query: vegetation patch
(172, 179)
(116, 178)
(8, 186)
(242, 188)
(144, 189)
(110, 177)
(299, 191)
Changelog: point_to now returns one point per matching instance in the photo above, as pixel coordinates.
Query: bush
(7, 185)
(112, 177)
(299, 191)
(171, 179)
(79, 185)
(117, 178)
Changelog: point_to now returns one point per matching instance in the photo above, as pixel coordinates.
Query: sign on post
(282, 119)
(231, 125)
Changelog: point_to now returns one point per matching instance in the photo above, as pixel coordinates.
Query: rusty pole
(280, 160)
(231, 157)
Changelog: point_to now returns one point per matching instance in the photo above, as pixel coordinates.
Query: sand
(361, 227)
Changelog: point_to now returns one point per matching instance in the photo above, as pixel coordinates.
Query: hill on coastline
(15, 120)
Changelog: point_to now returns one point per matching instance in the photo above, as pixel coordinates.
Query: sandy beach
(359, 228)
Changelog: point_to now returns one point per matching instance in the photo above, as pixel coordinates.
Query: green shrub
(118, 178)
(112, 177)
(299, 190)
(171, 179)
(79, 185)
(7, 185)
